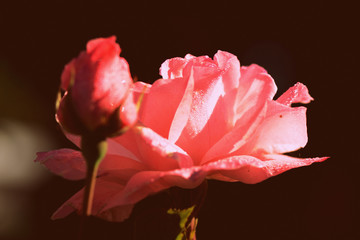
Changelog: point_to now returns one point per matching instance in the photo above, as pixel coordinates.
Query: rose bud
(97, 97)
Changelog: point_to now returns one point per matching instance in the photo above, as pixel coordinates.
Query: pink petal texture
(214, 90)
(149, 182)
(282, 130)
(251, 170)
(67, 163)
(281, 163)
(172, 68)
(104, 189)
(128, 110)
(160, 104)
(71, 165)
(249, 108)
(205, 119)
(296, 94)
(158, 153)
(182, 113)
(246, 169)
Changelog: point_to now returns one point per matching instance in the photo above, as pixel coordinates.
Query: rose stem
(93, 150)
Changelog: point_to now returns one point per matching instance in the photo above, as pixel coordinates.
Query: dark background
(296, 42)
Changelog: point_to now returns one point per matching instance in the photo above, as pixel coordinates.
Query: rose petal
(140, 142)
(67, 75)
(296, 94)
(283, 130)
(182, 112)
(124, 145)
(116, 162)
(145, 183)
(71, 165)
(251, 170)
(255, 90)
(149, 182)
(103, 47)
(159, 107)
(66, 163)
(128, 112)
(76, 139)
(230, 66)
(104, 189)
(277, 163)
(121, 145)
(247, 169)
(210, 116)
(198, 128)
(158, 153)
(140, 90)
(172, 68)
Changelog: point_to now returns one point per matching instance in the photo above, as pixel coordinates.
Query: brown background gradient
(296, 42)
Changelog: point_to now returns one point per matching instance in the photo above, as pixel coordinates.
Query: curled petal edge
(246, 169)
(296, 94)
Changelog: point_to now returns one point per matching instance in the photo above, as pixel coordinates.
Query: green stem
(89, 188)
(94, 150)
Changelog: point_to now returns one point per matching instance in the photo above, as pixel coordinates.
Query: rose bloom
(96, 85)
(205, 119)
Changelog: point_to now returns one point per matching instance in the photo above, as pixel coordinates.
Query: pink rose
(96, 85)
(205, 119)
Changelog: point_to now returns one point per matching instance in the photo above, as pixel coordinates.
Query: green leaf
(183, 214)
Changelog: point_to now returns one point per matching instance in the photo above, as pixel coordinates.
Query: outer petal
(105, 188)
(116, 162)
(296, 94)
(67, 75)
(147, 147)
(71, 165)
(149, 182)
(158, 153)
(67, 117)
(67, 163)
(251, 170)
(246, 169)
(125, 145)
(283, 130)
(255, 90)
(75, 139)
(277, 163)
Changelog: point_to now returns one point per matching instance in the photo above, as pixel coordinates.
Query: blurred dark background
(296, 42)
